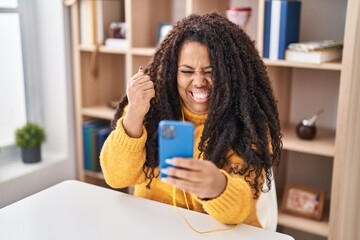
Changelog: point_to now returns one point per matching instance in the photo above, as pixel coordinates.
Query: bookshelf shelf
(294, 84)
(101, 112)
(149, 51)
(115, 50)
(103, 49)
(336, 66)
(320, 228)
(86, 48)
(323, 144)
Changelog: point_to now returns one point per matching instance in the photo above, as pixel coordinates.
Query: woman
(206, 71)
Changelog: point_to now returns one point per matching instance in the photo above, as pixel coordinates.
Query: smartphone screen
(176, 139)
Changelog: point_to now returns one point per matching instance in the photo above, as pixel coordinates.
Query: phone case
(176, 139)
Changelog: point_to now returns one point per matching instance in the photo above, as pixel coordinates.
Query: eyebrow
(187, 66)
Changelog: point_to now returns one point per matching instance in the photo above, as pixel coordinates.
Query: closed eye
(187, 73)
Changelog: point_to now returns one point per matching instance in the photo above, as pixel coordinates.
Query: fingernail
(141, 69)
(164, 171)
(169, 161)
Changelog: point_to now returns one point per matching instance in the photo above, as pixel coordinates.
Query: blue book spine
(88, 128)
(86, 146)
(289, 25)
(267, 23)
(85, 155)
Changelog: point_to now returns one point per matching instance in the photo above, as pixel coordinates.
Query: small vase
(31, 155)
(305, 131)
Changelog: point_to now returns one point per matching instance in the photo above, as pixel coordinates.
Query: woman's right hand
(140, 91)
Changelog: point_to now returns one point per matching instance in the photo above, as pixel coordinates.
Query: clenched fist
(140, 91)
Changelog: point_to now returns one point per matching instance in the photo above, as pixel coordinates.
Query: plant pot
(31, 155)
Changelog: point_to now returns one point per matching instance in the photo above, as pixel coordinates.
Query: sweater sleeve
(237, 203)
(233, 206)
(122, 158)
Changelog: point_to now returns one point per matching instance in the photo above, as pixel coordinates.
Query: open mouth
(200, 95)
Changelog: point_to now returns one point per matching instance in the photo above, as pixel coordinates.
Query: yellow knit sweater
(122, 159)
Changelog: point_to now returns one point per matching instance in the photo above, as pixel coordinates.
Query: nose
(199, 79)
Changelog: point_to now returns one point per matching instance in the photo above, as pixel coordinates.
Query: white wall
(52, 46)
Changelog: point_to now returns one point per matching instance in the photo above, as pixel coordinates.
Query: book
(117, 42)
(87, 22)
(281, 27)
(89, 128)
(267, 20)
(314, 56)
(315, 45)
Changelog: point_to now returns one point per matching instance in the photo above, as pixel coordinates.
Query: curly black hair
(242, 109)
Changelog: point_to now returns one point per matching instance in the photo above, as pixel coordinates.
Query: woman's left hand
(200, 177)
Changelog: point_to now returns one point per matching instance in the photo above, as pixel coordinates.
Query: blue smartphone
(176, 139)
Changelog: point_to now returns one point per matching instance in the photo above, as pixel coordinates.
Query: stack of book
(281, 27)
(95, 133)
(314, 51)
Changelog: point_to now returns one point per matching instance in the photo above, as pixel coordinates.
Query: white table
(77, 210)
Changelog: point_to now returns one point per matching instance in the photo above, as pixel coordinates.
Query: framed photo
(303, 201)
(163, 30)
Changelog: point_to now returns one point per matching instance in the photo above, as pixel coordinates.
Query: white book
(275, 30)
(87, 22)
(117, 42)
(315, 45)
(313, 56)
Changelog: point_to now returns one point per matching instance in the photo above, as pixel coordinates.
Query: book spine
(101, 137)
(87, 148)
(95, 155)
(92, 23)
(267, 23)
(289, 25)
(84, 148)
(83, 21)
(274, 30)
(99, 22)
(90, 130)
(87, 22)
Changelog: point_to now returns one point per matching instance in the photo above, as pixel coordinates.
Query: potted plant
(29, 138)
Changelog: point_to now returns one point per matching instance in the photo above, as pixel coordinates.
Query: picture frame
(303, 201)
(163, 29)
